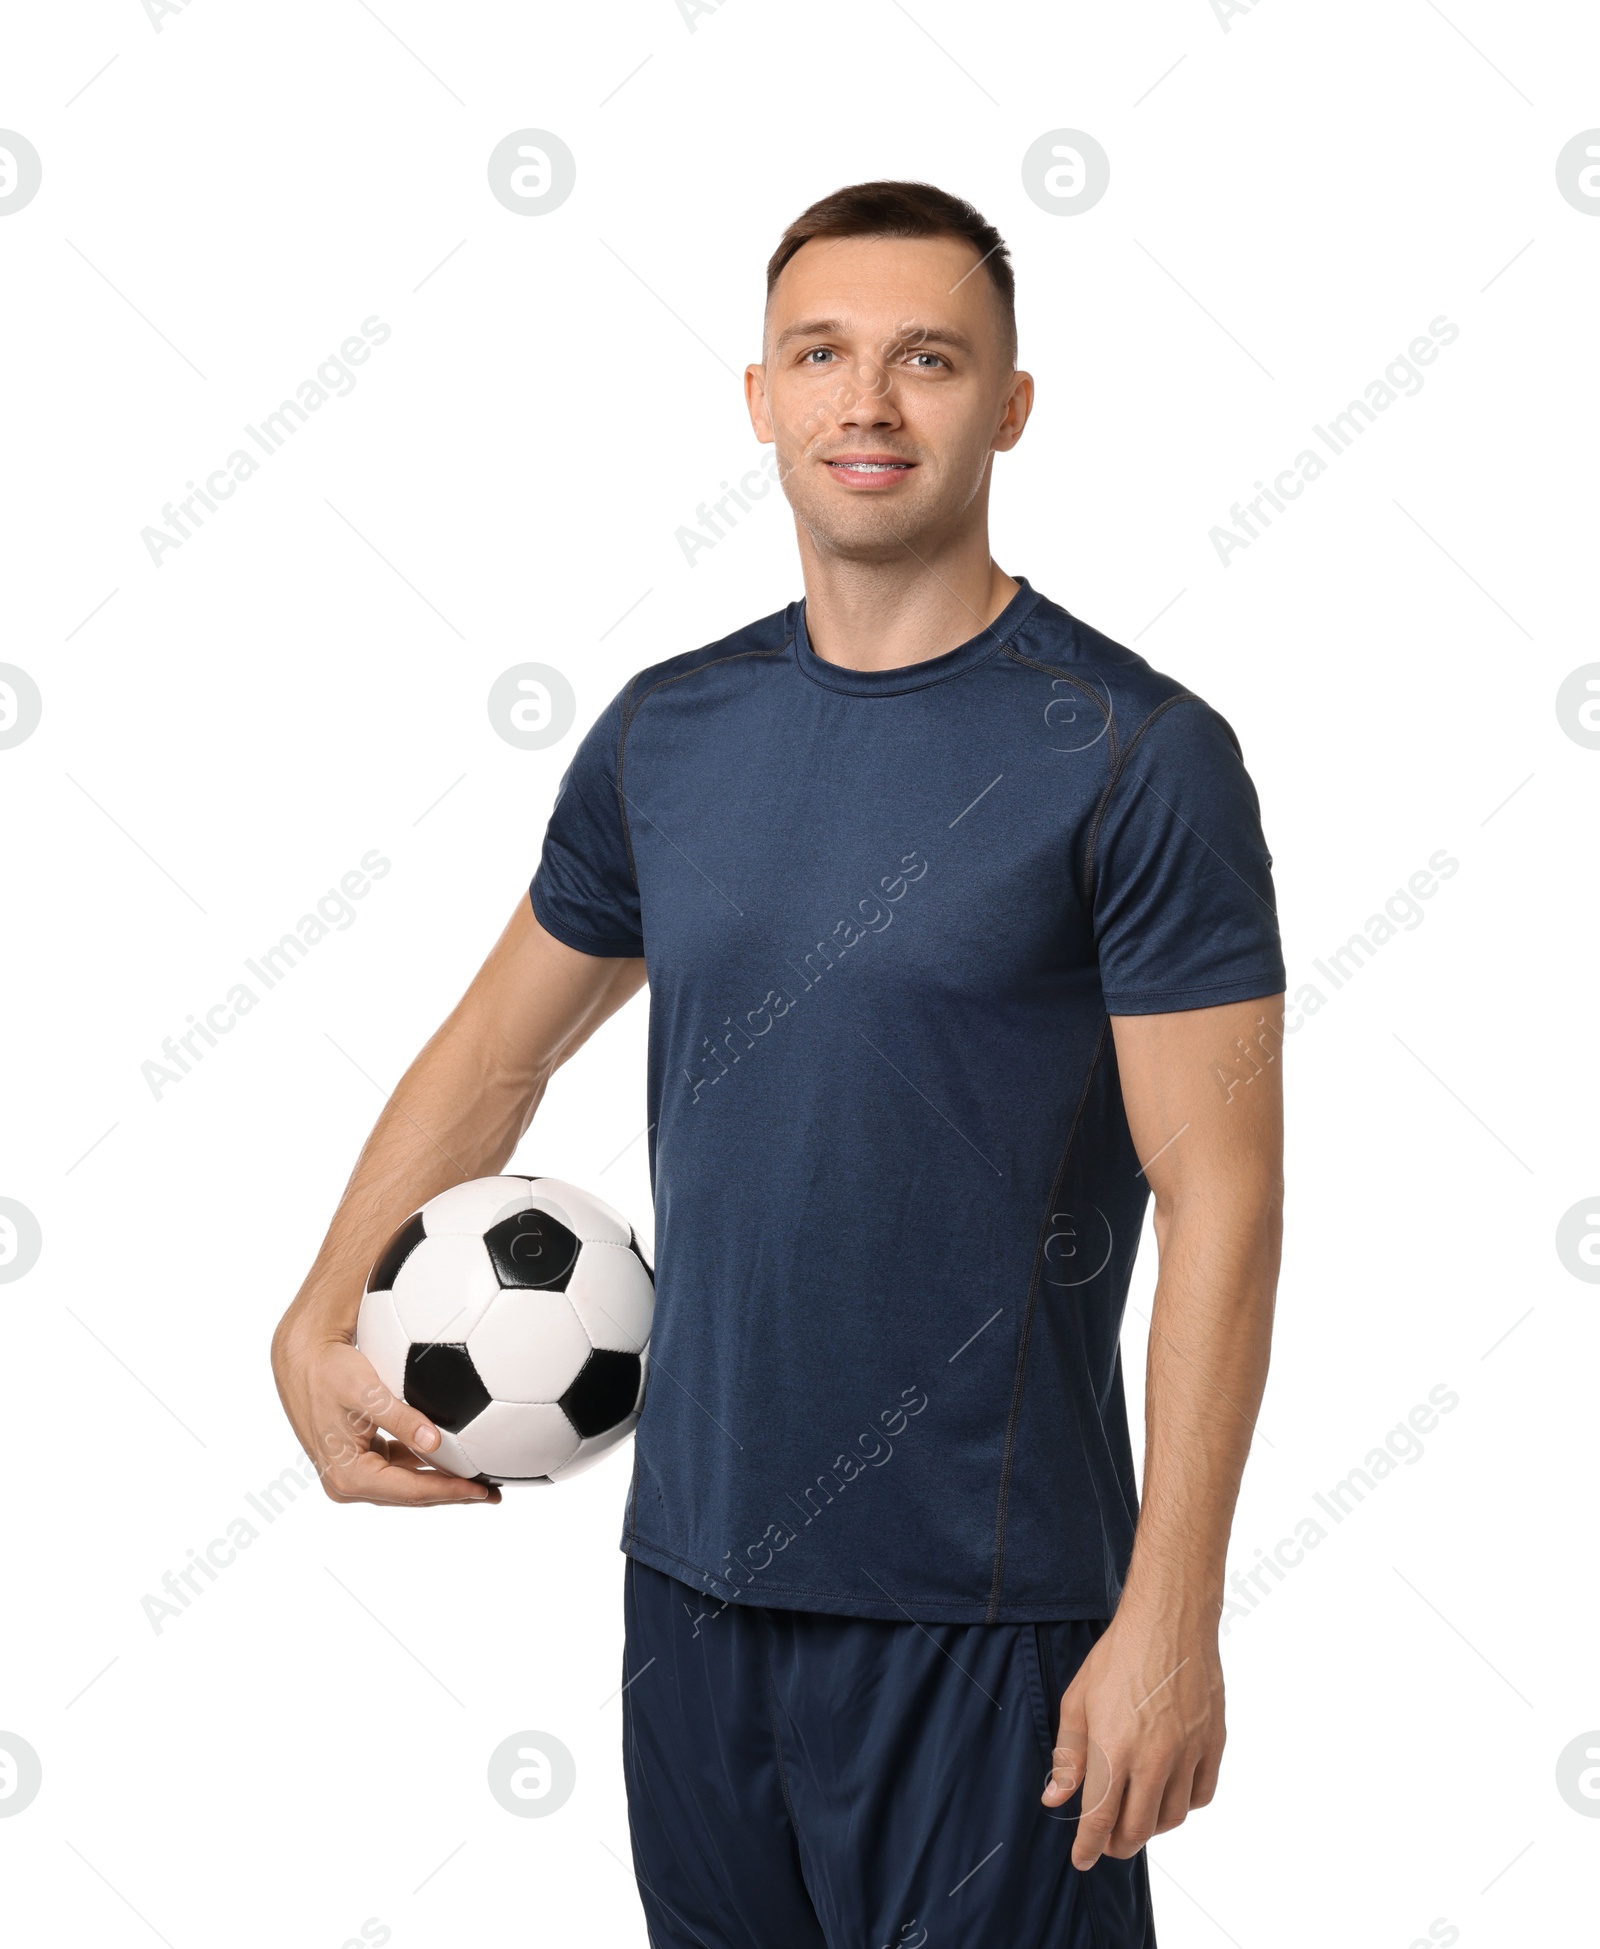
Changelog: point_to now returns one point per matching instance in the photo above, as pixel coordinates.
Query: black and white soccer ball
(515, 1314)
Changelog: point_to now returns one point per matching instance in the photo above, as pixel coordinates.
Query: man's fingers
(345, 1408)
(396, 1454)
(1136, 1774)
(1071, 1754)
(1102, 1802)
(1079, 1761)
(1067, 1766)
(1068, 1763)
(351, 1403)
(1205, 1778)
(1178, 1798)
(1140, 1813)
(372, 1479)
(378, 1408)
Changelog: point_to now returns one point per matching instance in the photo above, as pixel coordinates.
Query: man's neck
(884, 615)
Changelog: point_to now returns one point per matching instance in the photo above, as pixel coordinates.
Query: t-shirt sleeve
(584, 890)
(1180, 875)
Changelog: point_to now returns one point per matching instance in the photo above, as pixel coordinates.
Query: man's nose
(867, 398)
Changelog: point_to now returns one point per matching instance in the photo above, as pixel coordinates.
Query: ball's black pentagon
(532, 1249)
(442, 1383)
(633, 1247)
(395, 1253)
(604, 1392)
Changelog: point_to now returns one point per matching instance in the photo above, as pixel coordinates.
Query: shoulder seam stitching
(1121, 765)
(626, 725)
(1065, 676)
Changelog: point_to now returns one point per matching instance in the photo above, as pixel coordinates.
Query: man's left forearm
(1209, 1345)
(1142, 1725)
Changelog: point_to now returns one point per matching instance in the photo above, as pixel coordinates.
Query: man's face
(887, 384)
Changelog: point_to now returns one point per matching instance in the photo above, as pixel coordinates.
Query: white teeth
(870, 466)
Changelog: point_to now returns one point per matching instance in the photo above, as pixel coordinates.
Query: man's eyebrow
(916, 335)
(909, 335)
(809, 328)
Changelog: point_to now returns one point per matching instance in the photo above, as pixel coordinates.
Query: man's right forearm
(462, 1107)
(458, 1112)
(454, 1115)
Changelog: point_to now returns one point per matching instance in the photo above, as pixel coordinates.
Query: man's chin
(870, 536)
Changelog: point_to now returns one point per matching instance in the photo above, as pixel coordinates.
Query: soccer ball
(514, 1313)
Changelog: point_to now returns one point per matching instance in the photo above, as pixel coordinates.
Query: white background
(1290, 205)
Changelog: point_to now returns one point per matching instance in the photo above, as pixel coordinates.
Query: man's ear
(1014, 414)
(755, 398)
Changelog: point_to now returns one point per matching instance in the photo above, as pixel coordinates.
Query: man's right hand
(458, 1112)
(338, 1407)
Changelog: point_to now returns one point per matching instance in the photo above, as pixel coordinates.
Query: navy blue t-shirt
(886, 916)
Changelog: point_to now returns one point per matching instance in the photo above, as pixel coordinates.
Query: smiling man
(959, 932)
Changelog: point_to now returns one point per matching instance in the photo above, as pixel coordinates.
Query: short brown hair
(903, 210)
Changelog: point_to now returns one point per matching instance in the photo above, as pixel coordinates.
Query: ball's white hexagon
(584, 1215)
(529, 1345)
(611, 1293)
(445, 1287)
(515, 1439)
(474, 1207)
(594, 1448)
(452, 1456)
(546, 1194)
(384, 1341)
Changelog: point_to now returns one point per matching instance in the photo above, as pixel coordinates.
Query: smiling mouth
(869, 468)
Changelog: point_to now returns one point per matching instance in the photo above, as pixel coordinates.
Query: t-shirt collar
(910, 676)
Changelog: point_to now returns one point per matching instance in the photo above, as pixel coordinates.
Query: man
(959, 931)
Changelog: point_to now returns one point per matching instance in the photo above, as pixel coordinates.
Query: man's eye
(929, 355)
(817, 350)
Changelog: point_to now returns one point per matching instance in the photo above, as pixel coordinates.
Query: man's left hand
(1141, 1731)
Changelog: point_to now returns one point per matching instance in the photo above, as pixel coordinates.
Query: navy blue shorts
(798, 1780)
